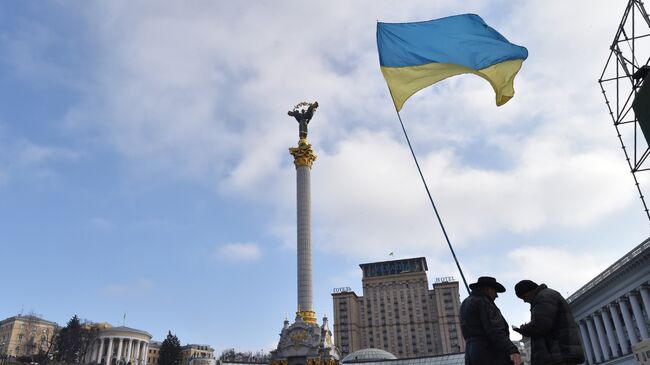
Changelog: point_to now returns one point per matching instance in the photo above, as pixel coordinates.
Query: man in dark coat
(554, 334)
(485, 330)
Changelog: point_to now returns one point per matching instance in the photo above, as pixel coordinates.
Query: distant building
(190, 354)
(26, 335)
(154, 352)
(31, 335)
(194, 352)
(398, 312)
(612, 309)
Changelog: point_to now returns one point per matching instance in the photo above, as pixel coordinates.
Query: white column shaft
(638, 316)
(146, 354)
(101, 350)
(609, 330)
(594, 340)
(98, 353)
(128, 352)
(618, 325)
(303, 192)
(627, 319)
(585, 340)
(141, 354)
(119, 350)
(645, 296)
(602, 338)
(109, 354)
(136, 352)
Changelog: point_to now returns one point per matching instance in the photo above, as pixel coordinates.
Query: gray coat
(555, 337)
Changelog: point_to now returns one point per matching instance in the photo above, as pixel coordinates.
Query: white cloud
(129, 289)
(191, 97)
(102, 223)
(368, 192)
(561, 268)
(20, 157)
(31, 154)
(238, 252)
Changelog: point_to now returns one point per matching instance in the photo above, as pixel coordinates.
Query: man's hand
(516, 358)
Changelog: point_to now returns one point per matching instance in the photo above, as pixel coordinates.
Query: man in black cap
(485, 330)
(554, 334)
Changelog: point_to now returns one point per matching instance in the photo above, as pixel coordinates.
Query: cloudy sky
(144, 165)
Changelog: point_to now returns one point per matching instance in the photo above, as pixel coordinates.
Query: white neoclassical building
(119, 346)
(613, 309)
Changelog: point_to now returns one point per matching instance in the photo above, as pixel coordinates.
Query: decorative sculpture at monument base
(304, 343)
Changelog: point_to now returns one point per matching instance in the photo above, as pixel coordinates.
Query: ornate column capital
(303, 155)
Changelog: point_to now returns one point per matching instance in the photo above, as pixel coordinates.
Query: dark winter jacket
(554, 334)
(485, 331)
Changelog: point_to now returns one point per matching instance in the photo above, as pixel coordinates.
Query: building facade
(193, 351)
(25, 335)
(153, 353)
(612, 309)
(189, 354)
(118, 346)
(398, 312)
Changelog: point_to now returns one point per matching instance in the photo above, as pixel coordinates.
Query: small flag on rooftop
(417, 55)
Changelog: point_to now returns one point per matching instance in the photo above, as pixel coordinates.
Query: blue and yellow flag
(416, 55)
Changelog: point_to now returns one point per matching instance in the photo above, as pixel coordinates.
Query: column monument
(304, 342)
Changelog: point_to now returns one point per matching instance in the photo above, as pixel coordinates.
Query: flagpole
(426, 187)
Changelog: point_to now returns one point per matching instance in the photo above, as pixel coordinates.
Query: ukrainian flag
(416, 55)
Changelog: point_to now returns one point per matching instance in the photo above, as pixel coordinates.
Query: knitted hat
(524, 287)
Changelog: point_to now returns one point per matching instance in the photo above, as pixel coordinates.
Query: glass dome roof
(368, 354)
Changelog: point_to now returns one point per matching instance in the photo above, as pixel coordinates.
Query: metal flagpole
(444, 231)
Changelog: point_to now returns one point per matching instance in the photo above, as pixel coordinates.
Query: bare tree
(231, 355)
(89, 333)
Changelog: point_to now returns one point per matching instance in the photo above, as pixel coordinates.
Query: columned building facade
(119, 346)
(613, 309)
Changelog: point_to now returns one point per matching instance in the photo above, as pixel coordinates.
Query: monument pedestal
(304, 343)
